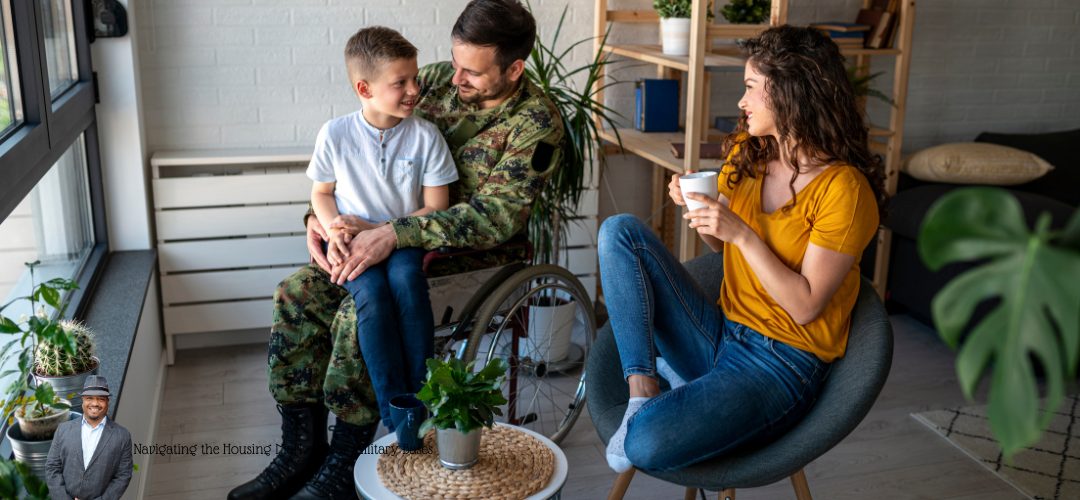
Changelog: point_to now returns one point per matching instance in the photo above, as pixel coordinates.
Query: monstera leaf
(1036, 276)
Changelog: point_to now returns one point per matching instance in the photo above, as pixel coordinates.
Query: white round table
(369, 486)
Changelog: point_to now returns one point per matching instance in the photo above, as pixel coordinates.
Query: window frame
(50, 127)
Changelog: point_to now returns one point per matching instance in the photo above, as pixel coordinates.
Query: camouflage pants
(314, 355)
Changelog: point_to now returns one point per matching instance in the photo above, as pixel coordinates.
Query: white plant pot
(675, 36)
(550, 328)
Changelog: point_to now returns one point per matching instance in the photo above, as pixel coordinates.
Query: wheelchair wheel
(541, 321)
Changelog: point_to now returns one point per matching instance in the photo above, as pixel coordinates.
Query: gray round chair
(853, 384)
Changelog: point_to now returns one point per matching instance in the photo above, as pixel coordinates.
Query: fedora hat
(95, 385)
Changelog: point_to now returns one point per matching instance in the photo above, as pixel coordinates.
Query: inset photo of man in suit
(90, 457)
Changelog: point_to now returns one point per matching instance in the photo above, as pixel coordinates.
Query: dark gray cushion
(853, 384)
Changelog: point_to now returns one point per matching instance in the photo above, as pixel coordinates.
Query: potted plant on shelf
(1033, 273)
(461, 402)
(39, 411)
(746, 11)
(675, 24)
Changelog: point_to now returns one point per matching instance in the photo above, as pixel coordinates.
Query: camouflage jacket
(503, 155)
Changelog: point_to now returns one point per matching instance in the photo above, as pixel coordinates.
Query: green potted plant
(861, 84)
(746, 11)
(675, 24)
(64, 371)
(462, 402)
(1034, 274)
(39, 411)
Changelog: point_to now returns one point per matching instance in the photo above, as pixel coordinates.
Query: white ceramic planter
(549, 332)
(675, 35)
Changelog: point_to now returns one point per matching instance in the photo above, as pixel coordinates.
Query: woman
(799, 200)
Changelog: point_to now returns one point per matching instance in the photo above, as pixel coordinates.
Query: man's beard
(501, 89)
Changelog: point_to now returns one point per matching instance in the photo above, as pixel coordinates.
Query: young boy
(378, 164)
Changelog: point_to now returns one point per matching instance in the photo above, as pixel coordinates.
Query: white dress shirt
(90, 438)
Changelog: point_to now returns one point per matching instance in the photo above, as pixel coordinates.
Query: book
(880, 37)
(837, 35)
(656, 105)
(709, 150)
(841, 26)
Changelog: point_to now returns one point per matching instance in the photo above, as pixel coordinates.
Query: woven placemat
(512, 465)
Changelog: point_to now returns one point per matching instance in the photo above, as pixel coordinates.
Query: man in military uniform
(504, 135)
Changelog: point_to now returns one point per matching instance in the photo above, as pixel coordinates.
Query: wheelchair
(538, 318)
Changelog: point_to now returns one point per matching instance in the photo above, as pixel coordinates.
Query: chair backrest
(850, 390)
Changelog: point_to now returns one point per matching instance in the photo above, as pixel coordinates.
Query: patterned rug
(1048, 470)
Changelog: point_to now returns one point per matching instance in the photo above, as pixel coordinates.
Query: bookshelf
(885, 139)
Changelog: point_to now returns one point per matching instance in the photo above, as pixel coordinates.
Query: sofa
(911, 286)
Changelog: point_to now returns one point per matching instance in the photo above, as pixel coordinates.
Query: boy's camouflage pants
(314, 355)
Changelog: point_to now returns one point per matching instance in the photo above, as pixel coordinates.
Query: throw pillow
(976, 163)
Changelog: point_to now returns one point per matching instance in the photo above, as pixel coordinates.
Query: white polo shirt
(380, 174)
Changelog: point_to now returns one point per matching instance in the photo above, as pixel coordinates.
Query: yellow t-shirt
(837, 210)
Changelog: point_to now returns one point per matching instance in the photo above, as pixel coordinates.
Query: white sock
(616, 450)
(665, 370)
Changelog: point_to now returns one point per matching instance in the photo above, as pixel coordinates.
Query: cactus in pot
(53, 361)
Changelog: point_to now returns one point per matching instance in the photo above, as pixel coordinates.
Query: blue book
(657, 105)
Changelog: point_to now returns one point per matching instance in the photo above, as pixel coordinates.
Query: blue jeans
(743, 388)
(394, 325)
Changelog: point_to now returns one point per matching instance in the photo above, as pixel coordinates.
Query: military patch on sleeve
(541, 158)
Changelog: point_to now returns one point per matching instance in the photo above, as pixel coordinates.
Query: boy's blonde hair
(368, 48)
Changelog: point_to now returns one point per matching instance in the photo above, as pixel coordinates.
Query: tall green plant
(582, 145)
(31, 330)
(1035, 275)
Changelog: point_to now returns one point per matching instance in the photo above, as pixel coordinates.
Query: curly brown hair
(814, 104)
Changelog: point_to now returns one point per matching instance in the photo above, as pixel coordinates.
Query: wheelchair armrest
(516, 245)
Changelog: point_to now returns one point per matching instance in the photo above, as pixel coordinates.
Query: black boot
(303, 448)
(335, 479)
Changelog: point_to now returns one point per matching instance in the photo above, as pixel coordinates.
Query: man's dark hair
(505, 25)
(370, 47)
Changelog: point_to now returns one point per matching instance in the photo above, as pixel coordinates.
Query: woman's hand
(675, 190)
(717, 220)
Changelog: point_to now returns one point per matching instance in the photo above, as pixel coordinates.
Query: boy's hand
(350, 224)
(338, 247)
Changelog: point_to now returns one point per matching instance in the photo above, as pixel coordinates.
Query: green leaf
(51, 296)
(969, 224)
(1037, 320)
(8, 326)
(1071, 235)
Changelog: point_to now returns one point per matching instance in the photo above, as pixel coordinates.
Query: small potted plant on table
(461, 403)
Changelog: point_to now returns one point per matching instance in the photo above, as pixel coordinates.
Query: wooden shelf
(656, 147)
(654, 55)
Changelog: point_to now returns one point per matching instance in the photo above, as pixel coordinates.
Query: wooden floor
(218, 396)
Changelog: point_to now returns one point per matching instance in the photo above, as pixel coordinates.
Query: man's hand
(365, 250)
(315, 237)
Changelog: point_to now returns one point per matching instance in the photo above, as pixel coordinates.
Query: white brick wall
(268, 73)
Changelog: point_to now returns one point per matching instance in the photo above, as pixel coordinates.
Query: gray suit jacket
(108, 473)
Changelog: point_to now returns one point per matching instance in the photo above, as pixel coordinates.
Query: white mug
(698, 182)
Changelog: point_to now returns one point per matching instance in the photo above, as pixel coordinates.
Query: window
(51, 205)
(52, 224)
(10, 104)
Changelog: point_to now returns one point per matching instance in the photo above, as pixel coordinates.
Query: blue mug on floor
(408, 413)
